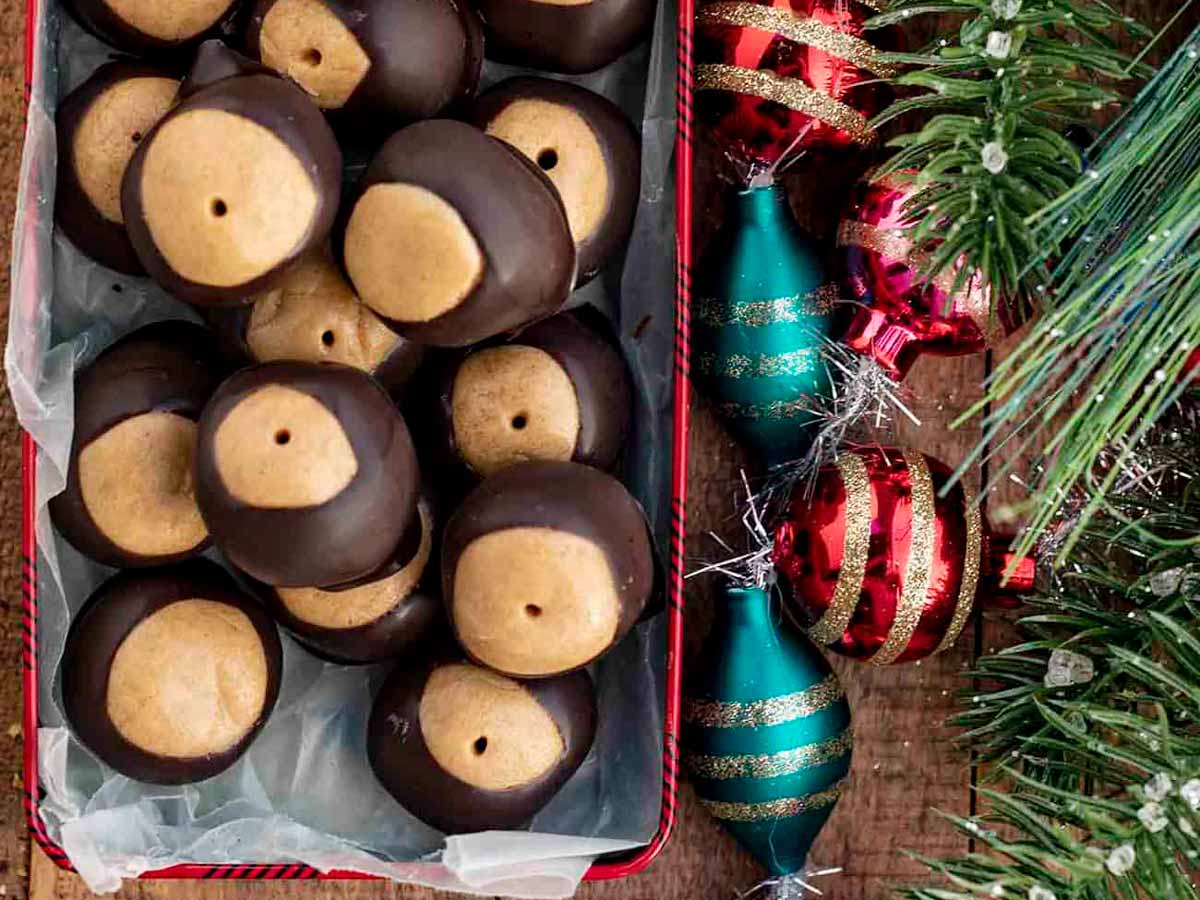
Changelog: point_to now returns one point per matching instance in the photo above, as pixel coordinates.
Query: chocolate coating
(283, 110)
(97, 632)
(620, 149)
(424, 57)
(405, 767)
(169, 366)
(102, 21)
(373, 519)
(511, 209)
(104, 240)
(215, 62)
(561, 37)
(597, 371)
(566, 497)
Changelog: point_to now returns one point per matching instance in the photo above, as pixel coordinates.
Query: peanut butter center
(513, 404)
(225, 199)
(564, 146)
(189, 680)
(314, 315)
(109, 133)
(487, 730)
(280, 448)
(137, 484)
(534, 601)
(169, 20)
(410, 254)
(307, 42)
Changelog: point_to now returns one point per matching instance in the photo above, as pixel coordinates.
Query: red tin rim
(601, 870)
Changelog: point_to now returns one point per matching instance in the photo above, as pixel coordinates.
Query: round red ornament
(775, 76)
(884, 569)
(901, 314)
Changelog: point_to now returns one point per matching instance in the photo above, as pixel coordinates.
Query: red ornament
(782, 75)
(901, 314)
(1191, 368)
(884, 569)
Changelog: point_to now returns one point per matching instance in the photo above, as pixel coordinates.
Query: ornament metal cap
(893, 346)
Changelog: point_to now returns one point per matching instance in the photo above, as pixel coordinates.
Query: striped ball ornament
(767, 735)
(777, 76)
(884, 568)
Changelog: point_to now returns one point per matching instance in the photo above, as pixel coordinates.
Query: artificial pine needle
(993, 154)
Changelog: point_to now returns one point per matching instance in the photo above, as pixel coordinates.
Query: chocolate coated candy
(545, 566)
(233, 186)
(375, 620)
(306, 474)
(464, 749)
(313, 315)
(455, 237)
(586, 146)
(167, 31)
(129, 499)
(377, 64)
(564, 37)
(557, 391)
(168, 674)
(99, 125)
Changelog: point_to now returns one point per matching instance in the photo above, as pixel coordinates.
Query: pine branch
(992, 155)
(1089, 727)
(1107, 360)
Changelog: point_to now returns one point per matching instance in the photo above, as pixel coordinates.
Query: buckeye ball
(465, 749)
(545, 566)
(572, 36)
(168, 674)
(99, 125)
(372, 621)
(306, 474)
(380, 64)
(130, 496)
(455, 237)
(152, 27)
(239, 181)
(557, 391)
(585, 145)
(312, 314)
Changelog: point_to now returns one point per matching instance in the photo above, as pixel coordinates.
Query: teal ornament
(761, 314)
(767, 737)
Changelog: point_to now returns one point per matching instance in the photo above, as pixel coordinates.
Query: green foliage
(1106, 361)
(1014, 77)
(1078, 768)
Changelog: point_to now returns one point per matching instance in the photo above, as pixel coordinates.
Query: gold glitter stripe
(787, 310)
(872, 4)
(917, 573)
(785, 22)
(798, 362)
(896, 246)
(832, 625)
(970, 575)
(790, 92)
(772, 711)
(772, 765)
(774, 809)
(975, 299)
(852, 233)
(776, 410)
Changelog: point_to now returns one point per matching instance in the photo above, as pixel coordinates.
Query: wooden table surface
(904, 765)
